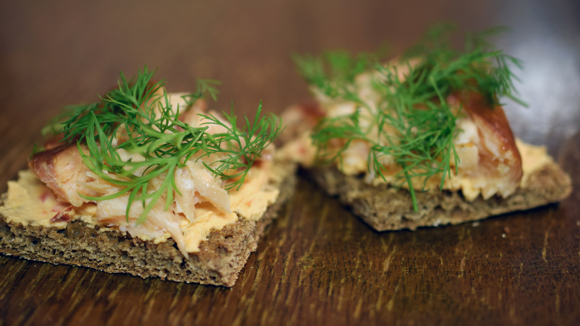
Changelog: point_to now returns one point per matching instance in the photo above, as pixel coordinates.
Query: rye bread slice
(219, 261)
(389, 208)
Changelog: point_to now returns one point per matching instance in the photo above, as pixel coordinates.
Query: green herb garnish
(412, 122)
(152, 129)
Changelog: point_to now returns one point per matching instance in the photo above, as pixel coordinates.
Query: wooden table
(317, 264)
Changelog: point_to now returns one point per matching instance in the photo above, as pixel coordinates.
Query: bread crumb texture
(385, 207)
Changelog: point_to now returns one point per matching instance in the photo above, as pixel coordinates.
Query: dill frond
(412, 122)
(153, 130)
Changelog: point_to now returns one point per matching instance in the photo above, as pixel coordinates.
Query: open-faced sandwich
(148, 183)
(421, 140)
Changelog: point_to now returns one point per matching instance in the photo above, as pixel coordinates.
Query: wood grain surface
(318, 264)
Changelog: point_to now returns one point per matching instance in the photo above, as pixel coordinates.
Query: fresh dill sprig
(412, 122)
(242, 146)
(334, 72)
(144, 116)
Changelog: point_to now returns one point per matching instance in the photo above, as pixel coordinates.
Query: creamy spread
(249, 203)
(30, 202)
(302, 151)
(533, 159)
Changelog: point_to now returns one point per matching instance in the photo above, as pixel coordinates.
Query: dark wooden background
(318, 264)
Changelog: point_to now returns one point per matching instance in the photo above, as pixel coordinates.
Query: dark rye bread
(219, 261)
(388, 208)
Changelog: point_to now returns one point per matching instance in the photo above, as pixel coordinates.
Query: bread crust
(385, 207)
(219, 261)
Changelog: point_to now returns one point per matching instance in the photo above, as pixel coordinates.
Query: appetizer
(148, 183)
(421, 140)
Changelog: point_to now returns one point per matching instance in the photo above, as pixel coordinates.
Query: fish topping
(146, 160)
(428, 119)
